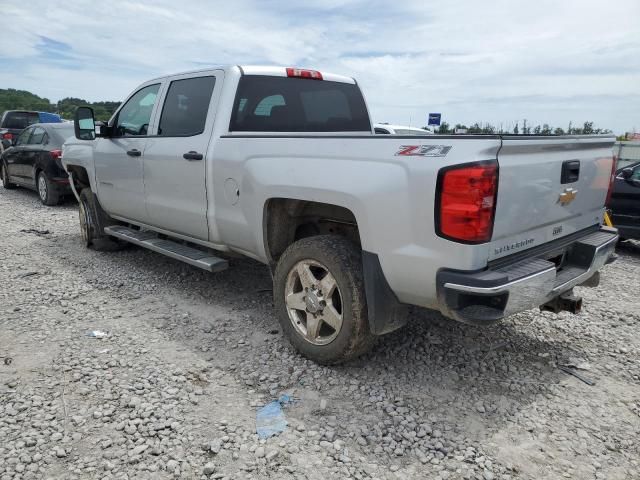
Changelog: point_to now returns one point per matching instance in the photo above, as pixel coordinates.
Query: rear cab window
(283, 104)
(19, 120)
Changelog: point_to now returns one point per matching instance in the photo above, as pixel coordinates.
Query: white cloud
(499, 61)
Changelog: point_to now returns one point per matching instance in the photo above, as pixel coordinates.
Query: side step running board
(190, 255)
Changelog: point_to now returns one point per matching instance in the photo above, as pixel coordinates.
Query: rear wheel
(320, 299)
(92, 220)
(46, 191)
(5, 177)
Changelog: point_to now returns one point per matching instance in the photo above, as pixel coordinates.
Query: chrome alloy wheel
(314, 302)
(42, 187)
(85, 223)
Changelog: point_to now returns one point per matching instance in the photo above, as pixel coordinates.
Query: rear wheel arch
(286, 220)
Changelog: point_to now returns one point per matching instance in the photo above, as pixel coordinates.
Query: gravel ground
(172, 391)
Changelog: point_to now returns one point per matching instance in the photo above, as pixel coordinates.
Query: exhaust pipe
(566, 302)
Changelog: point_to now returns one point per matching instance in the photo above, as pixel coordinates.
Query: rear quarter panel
(392, 197)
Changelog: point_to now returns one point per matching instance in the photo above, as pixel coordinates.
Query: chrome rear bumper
(490, 295)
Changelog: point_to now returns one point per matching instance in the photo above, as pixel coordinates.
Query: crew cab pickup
(282, 165)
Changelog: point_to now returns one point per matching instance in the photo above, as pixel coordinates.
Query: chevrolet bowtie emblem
(567, 196)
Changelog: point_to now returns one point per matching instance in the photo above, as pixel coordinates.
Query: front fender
(79, 153)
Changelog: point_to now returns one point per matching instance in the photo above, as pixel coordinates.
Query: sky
(499, 61)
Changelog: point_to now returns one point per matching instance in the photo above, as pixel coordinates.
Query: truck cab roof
(268, 70)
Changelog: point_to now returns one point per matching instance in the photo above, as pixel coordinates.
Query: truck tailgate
(548, 188)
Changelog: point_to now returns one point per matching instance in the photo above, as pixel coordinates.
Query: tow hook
(565, 302)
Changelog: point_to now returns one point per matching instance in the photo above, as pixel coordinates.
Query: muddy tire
(320, 300)
(4, 175)
(92, 221)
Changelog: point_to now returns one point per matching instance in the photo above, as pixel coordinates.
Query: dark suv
(625, 201)
(14, 121)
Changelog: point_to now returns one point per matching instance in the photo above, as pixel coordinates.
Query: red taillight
(611, 180)
(55, 154)
(7, 136)
(466, 205)
(302, 73)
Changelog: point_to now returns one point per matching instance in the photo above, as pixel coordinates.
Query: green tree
(488, 129)
(516, 131)
(12, 99)
(475, 128)
(102, 110)
(444, 128)
(587, 129)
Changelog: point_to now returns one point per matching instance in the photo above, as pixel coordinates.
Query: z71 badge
(423, 150)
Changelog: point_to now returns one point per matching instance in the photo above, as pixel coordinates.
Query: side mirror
(84, 124)
(627, 173)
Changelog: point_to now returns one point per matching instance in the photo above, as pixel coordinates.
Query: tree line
(525, 129)
(12, 99)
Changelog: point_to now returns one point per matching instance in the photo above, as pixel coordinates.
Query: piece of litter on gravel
(582, 378)
(106, 350)
(577, 363)
(97, 334)
(270, 419)
(36, 231)
(27, 274)
(7, 360)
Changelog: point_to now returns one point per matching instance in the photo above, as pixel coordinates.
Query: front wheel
(4, 174)
(92, 220)
(320, 299)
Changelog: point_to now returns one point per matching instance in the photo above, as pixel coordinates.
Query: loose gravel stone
(209, 469)
(190, 356)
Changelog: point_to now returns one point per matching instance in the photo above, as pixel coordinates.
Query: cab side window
(185, 108)
(23, 139)
(134, 117)
(636, 174)
(38, 137)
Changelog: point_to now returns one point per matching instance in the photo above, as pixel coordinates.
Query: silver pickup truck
(282, 165)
